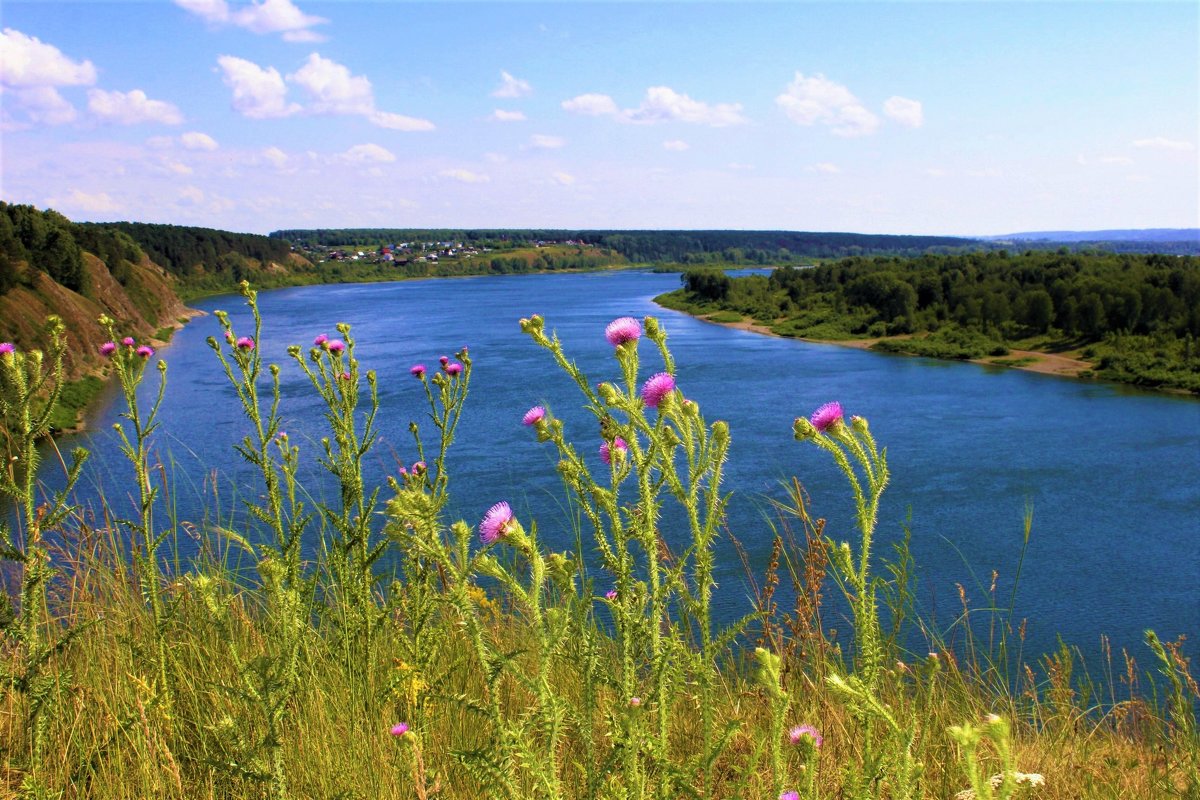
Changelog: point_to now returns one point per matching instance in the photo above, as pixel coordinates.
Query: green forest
(1135, 317)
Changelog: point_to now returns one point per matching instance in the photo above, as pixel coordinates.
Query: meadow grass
(484, 665)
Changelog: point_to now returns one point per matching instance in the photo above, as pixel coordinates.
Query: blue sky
(940, 118)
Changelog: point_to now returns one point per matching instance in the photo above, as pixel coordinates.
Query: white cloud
(908, 113)
(191, 196)
(546, 142)
(824, 167)
(257, 93)
(592, 105)
(261, 17)
(563, 178)
(677, 145)
(464, 175)
(512, 87)
(399, 122)
(332, 88)
(99, 203)
(131, 108)
(818, 100)
(28, 61)
(367, 154)
(176, 167)
(276, 157)
(661, 104)
(1162, 143)
(195, 140)
(44, 105)
(1119, 161)
(500, 115)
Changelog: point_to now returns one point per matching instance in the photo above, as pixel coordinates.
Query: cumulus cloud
(332, 88)
(261, 17)
(131, 108)
(75, 200)
(44, 105)
(661, 104)
(512, 87)
(825, 168)
(818, 100)
(276, 156)
(592, 105)
(195, 140)
(366, 154)
(1163, 143)
(464, 175)
(399, 122)
(545, 142)
(907, 112)
(500, 115)
(258, 93)
(28, 61)
(677, 145)
(563, 178)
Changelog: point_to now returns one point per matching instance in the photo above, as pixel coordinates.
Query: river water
(1112, 475)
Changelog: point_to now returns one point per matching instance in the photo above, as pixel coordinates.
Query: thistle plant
(272, 682)
(30, 383)
(129, 362)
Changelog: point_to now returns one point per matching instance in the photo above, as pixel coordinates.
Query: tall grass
(425, 657)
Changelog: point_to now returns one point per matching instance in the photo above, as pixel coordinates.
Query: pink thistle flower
(620, 331)
(403, 472)
(418, 468)
(7, 348)
(335, 345)
(399, 729)
(791, 794)
(444, 360)
(800, 732)
(454, 369)
(417, 370)
(320, 340)
(107, 349)
(611, 594)
(245, 343)
(658, 387)
(826, 416)
(345, 376)
(634, 702)
(606, 452)
(496, 522)
(229, 336)
(128, 341)
(145, 352)
(533, 416)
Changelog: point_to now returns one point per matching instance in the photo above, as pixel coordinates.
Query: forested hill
(648, 246)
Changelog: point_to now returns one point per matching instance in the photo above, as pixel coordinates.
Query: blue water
(1111, 473)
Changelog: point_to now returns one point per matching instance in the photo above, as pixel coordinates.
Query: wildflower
(345, 376)
(145, 352)
(790, 795)
(634, 702)
(496, 522)
(620, 331)
(611, 594)
(606, 452)
(826, 416)
(6, 348)
(444, 360)
(320, 340)
(128, 341)
(418, 468)
(454, 369)
(335, 345)
(533, 415)
(245, 343)
(800, 732)
(656, 388)
(229, 336)
(417, 370)
(106, 349)
(399, 729)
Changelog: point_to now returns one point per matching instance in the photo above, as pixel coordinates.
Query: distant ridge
(1132, 235)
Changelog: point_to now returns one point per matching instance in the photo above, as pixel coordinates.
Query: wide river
(1112, 475)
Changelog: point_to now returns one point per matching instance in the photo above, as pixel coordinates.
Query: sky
(970, 118)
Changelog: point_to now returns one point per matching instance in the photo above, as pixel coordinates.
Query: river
(1112, 474)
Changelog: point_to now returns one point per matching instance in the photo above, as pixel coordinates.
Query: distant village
(402, 253)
